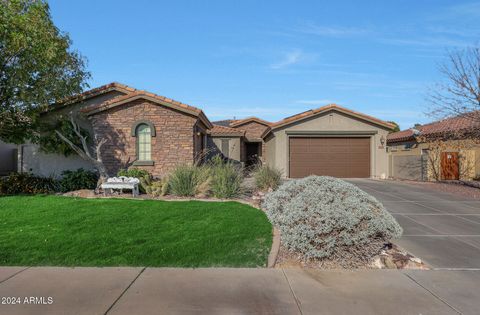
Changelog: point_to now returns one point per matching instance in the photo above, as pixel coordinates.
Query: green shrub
(188, 180)
(226, 180)
(137, 173)
(133, 172)
(267, 177)
(78, 179)
(325, 217)
(25, 183)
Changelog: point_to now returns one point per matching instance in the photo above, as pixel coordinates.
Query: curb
(272, 257)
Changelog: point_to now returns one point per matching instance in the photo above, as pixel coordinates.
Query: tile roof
(113, 86)
(224, 123)
(239, 122)
(325, 108)
(400, 136)
(219, 130)
(462, 123)
(136, 94)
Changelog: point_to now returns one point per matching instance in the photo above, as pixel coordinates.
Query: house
(447, 149)
(156, 133)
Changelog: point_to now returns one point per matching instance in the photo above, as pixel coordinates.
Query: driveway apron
(441, 228)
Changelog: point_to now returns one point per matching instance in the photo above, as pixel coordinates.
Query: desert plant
(25, 183)
(137, 173)
(188, 180)
(78, 179)
(226, 179)
(267, 177)
(328, 218)
(152, 186)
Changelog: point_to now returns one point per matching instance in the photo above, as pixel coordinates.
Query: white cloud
(290, 58)
(427, 42)
(331, 31)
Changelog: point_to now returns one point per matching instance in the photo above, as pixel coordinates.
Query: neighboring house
(157, 133)
(442, 150)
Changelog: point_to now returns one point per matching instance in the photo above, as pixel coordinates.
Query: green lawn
(65, 231)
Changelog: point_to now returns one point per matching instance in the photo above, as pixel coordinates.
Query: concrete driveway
(441, 228)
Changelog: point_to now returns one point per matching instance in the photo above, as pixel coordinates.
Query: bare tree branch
(84, 152)
(459, 93)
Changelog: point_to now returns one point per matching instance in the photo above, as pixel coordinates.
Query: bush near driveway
(226, 180)
(328, 218)
(267, 177)
(67, 231)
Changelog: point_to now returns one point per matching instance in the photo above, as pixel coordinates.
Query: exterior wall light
(382, 140)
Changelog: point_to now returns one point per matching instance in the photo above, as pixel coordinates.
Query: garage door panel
(338, 157)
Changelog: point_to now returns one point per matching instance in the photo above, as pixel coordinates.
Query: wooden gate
(449, 164)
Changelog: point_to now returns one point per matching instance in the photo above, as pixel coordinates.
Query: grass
(63, 231)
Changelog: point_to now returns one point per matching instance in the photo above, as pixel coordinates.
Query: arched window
(144, 142)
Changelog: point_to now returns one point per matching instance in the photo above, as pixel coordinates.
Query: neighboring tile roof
(119, 100)
(224, 123)
(239, 122)
(219, 130)
(114, 86)
(462, 123)
(401, 136)
(312, 112)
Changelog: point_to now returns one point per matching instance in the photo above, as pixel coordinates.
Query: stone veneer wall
(172, 145)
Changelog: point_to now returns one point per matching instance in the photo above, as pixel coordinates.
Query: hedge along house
(447, 149)
(156, 133)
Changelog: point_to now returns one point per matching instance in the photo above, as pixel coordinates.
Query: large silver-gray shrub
(325, 217)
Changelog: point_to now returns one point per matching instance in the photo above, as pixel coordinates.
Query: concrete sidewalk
(238, 291)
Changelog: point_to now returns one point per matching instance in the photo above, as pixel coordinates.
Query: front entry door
(449, 164)
(253, 153)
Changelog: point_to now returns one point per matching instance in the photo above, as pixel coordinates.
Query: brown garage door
(338, 157)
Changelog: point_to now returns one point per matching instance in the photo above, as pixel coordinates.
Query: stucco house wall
(411, 161)
(270, 151)
(234, 147)
(327, 124)
(407, 162)
(8, 159)
(33, 160)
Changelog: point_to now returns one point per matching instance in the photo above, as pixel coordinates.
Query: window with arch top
(144, 142)
(143, 131)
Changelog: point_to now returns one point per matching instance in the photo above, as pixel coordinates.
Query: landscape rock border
(272, 257)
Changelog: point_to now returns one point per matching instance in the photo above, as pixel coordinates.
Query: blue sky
(272, 59)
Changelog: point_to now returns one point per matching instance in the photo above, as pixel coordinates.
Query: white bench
(121, 182)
